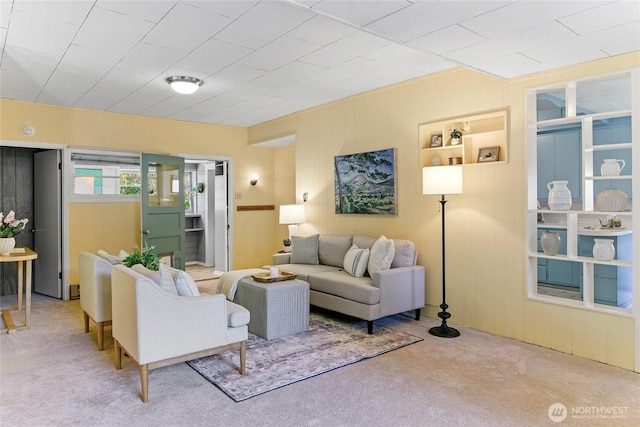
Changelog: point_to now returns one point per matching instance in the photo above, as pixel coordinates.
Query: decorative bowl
(611, 200)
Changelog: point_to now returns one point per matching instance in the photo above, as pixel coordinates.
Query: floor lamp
(292, 215)
(442, 180)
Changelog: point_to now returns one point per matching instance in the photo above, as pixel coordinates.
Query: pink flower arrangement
(10, 226)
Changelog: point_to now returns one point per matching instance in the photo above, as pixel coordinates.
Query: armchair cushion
(237, 315)
(162, 277)
(113, 260)
(185, 285)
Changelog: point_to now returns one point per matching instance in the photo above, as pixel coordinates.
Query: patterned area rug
(330, 343)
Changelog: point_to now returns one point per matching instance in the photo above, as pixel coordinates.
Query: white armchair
(158, 329)
(95, 293)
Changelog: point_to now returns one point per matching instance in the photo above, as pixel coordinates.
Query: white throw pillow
(185, 285)
(381, 255)
(355, 261)
(162, 277)
(113, 260)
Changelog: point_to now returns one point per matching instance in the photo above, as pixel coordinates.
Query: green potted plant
(455, 135)
(146, 257)
(287, 245)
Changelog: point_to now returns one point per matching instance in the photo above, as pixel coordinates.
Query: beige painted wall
(485, 226)
(115, 226)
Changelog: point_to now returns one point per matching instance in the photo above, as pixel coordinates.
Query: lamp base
(444, 331)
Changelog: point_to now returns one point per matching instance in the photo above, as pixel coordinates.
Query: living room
(486, 225)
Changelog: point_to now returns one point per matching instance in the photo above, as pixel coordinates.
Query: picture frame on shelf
(488, 154)
(436, 140)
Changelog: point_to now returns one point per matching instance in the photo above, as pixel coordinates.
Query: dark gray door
(47, 223)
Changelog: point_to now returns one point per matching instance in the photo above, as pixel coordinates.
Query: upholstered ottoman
(277, 309)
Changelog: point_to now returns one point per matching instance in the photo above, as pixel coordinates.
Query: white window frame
(93, 198)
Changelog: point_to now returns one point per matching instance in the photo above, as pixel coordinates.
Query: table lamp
(292, 215)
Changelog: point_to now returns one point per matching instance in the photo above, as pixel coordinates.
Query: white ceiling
(261, 60)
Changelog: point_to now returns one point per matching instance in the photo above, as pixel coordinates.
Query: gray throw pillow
(304, 250)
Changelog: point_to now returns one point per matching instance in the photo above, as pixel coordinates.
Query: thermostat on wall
(29, 130)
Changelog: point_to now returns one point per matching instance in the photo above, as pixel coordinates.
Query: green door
(163, 205)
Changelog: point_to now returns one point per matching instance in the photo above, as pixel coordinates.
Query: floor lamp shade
(292, 215)
(442, 180)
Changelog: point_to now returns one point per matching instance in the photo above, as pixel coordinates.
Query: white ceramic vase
(6, 245)
(603, 249)
(550, 241)
(559, 196)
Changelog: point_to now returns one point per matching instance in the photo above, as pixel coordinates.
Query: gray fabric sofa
(377, 294)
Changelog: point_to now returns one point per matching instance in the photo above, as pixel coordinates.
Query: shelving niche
(569, 142)
(480, 130)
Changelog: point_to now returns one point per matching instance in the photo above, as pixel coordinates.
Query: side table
(24, 257)
(277, 309)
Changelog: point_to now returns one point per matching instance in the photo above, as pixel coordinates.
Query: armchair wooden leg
(243, 357)
(144, 380)
(100, 327)
(118, 349)
(86, 322)
(417, 314)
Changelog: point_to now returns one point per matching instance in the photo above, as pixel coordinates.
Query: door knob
(147, 231)
(35, 230)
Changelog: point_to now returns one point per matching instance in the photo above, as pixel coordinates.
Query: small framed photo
(488, 154)
(436, 140)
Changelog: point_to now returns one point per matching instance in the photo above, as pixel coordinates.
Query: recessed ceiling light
(184, 84)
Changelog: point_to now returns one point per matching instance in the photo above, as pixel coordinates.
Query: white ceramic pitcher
(612, 167)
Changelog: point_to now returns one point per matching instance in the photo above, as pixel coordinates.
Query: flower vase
(550, 242)
(6, 245)
(287, 249)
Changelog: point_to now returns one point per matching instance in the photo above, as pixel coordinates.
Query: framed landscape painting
(365, 183)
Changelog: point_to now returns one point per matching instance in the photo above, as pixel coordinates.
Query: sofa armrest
(401, 289)
(283, 258)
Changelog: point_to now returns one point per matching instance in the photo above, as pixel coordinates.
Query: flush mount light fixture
(184, 84)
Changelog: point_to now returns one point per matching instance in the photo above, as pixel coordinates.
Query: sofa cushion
(355, 261)
(304, 250)
(364, 242)
(405, 255)
(344, 285)
(304, 270)
(381, 255)
(162, 277)
(332, 248)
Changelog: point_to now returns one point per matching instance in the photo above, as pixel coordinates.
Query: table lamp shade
(292, 214)
(442, 180)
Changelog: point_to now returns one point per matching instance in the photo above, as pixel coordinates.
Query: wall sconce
(254, 179)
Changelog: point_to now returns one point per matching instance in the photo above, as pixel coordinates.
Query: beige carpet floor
(53, 375)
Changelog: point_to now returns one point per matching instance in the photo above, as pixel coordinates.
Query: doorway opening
(208, 222)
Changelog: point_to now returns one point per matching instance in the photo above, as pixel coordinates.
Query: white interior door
(217, 234)
(47, 223)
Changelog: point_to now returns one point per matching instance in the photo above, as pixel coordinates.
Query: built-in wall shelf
(568, 141)
(483, 140)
